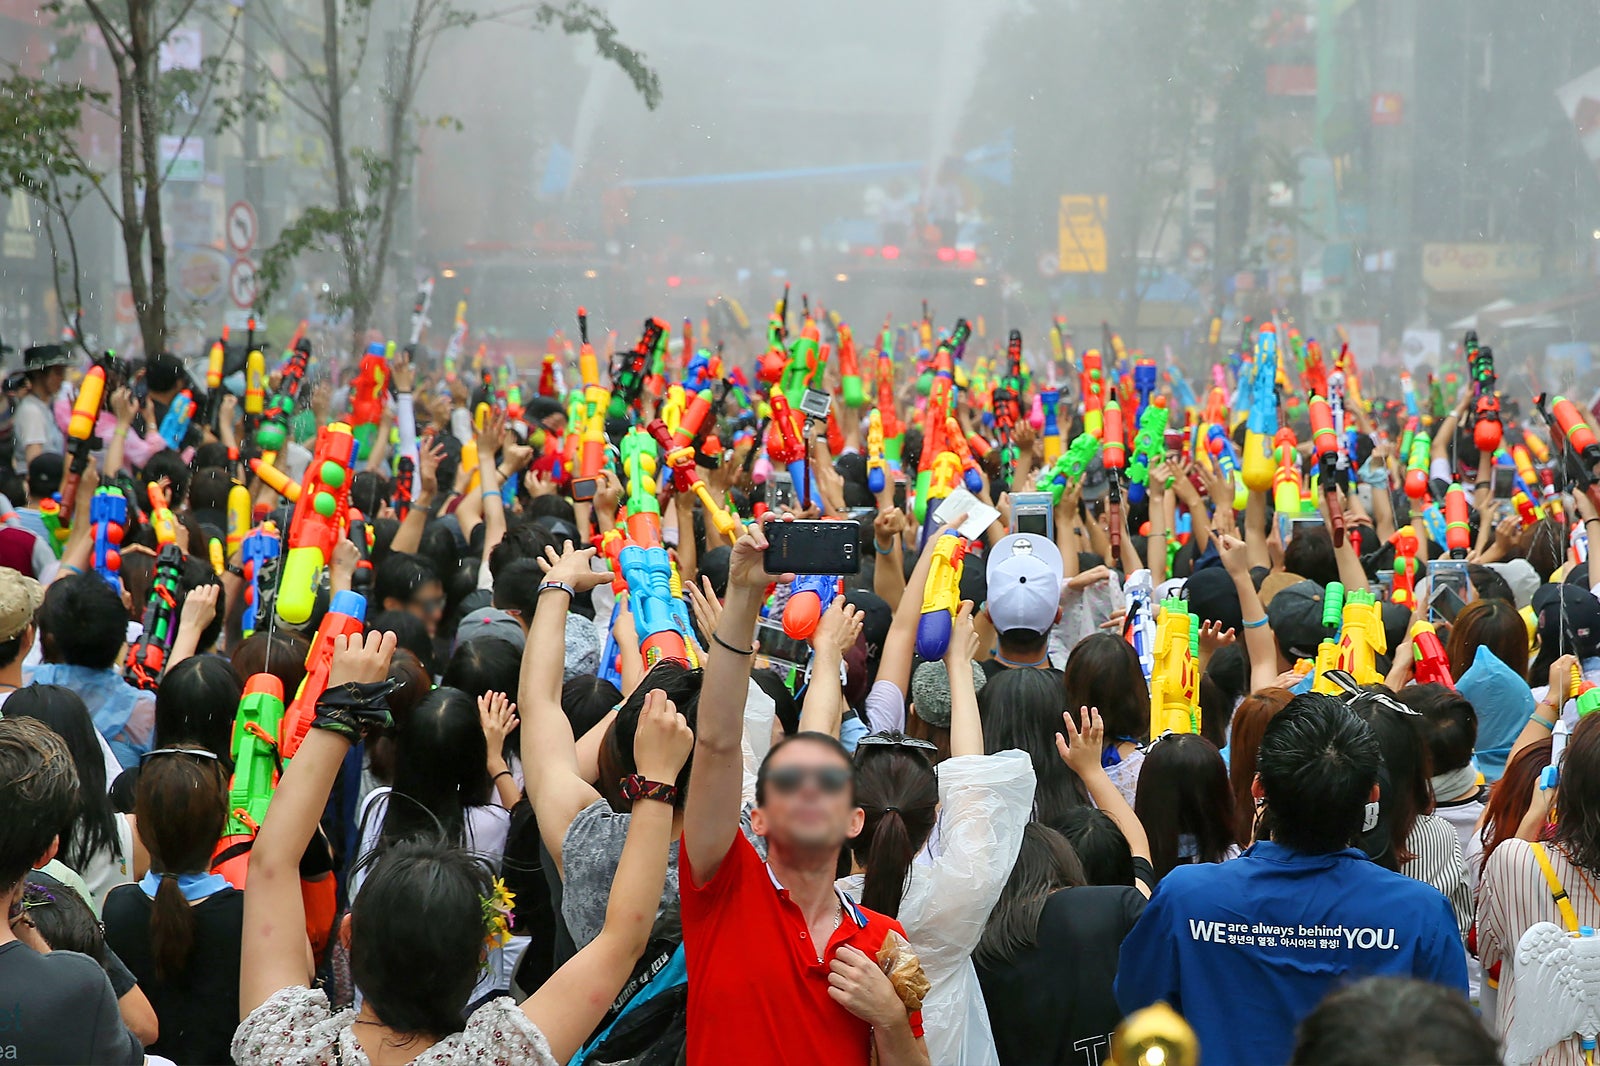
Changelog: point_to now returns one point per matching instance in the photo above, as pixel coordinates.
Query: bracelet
(558, 586)
(1534, 717)
(502, 773)
(737, 651)
(1257, 624)
(486, 493)
(402, 392)
(882, 550)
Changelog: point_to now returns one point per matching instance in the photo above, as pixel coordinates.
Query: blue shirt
(1246, 949)
(124, 715)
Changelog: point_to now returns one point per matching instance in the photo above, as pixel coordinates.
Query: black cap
(1295, 615)
(1581, 634)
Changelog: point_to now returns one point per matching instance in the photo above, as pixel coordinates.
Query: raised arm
(837, 631)
(711, 812)
(273, 952)
(199, 608)
(966, 729)
(888, 529)
(408, 538)
(569, 1006)
(1080, 749)
(1259, 644)
(555, 788)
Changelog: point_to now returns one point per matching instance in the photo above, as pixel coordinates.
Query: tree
(367, 179)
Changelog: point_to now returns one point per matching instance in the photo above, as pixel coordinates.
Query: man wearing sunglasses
(781, 964)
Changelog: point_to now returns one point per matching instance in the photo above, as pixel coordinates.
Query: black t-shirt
(59, 1008)
(1053, 1003)
(199, 1010)
(991, 667)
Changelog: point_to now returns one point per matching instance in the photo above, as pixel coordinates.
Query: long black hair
(94, 828)
(897, 790)
(1184, 792)
(197, 702)
(1103, 672)
(1045, 865)
(440, 769)
(1022, 709)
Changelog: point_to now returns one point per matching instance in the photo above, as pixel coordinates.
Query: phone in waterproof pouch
(823, 546)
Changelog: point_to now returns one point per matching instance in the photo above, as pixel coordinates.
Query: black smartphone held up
(1504, 482)
(822, 546)
(900, 494)
(1032, 512)
(584, 488)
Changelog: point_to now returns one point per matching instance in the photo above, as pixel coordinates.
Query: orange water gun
(80, 435)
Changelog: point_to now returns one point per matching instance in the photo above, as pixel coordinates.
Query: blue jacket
(1246, 949)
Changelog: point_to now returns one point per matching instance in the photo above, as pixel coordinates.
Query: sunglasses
(198, 753)
(787, 780)
(894, 739)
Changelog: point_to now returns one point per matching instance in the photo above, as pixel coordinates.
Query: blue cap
(351, 603)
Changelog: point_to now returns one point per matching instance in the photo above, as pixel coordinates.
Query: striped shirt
(1439, 863)
(1514, 896)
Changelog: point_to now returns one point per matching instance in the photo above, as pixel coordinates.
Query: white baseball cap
(1023, 574)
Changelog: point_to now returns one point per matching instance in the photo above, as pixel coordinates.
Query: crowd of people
(379, 710)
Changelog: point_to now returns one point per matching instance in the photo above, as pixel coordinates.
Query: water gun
(547, 375)
(256, 725)
(277, 480)
(877, 467)
(346, 617)
(957, 444)
(1148, 446)
(147, 659)
(317, 525)
(1049, 400)
(1139, 623)
(1093, 386)
(1286, 480)
(1144, 382)
(1575, 431)
(1258, 468)
(457, 342)
(56, 531)
(855, 396)
(1432, 666)
(255, 392)
(108, 513)
(1406, 546)
(648, 573)
(941, 597)
(1458, 532)
(1486, 428)
(1408, 391)
(1417, 467)
(368, 394)
(259, 547)
(680, 458)
(809, 596)
(588, 362)
(1331, 464)
(629, 369)
(274, 430)
(419, 311)
(1114, 457)
(1175, 671)
(80, 435)
(1314, 372)
(786, 444)
(1333, 599)
(175, 427)
(214, 363)
(1072, 465)
(1361, 637)
(162, 521)
(1537, 483)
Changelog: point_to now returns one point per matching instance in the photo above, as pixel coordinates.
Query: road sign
(242, 283)
(1081, 227)
(241, 227)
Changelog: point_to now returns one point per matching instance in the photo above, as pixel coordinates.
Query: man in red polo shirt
(782, 966)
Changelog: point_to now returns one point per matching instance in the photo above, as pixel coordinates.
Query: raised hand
(663, 740)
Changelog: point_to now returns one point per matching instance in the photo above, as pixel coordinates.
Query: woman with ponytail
(966, 822)
(180, 927)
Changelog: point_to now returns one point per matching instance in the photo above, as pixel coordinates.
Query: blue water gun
(257, 551)
(175, 427)
(1144, 383)
(1182, 391)
(108, 512)
(648, 572)
(809, 596)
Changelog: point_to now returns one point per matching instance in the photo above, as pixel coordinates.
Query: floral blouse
(297, 1027)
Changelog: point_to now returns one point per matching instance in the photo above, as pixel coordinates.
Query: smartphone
(900, 493)
(584, 488)
(1445, 603)
(1289, 525)
(780, 492)
(1504, 477)
(1449, 576)
(773, 643)
(1032, 512)
(823, 546)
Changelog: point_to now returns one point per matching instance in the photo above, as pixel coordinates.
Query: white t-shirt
(34, 424)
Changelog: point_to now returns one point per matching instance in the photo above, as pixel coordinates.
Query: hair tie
(167, 875)
(891, 810)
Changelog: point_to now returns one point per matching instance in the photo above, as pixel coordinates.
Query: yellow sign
(1082, 234)
(1478, 267)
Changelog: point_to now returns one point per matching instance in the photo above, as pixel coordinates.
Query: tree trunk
(344, 193)
(132, 226)
(142, 57)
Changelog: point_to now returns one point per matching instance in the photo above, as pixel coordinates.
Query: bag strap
(1557, 892)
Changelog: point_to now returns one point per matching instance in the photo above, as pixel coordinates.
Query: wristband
(353, 710)
(1257, 624)
(635, 788)
(882, 550)
(558, 586)
(1534, 717)
(737, 651)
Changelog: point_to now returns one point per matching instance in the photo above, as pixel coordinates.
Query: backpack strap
(1568, 916)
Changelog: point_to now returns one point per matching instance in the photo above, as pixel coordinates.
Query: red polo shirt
(756, 990)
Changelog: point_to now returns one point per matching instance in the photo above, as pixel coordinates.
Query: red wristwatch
(636, 788)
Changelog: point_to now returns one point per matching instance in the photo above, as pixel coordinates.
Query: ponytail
(900, 795)
(171, 929)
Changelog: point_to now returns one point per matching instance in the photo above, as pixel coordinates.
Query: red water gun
(346, 617)
(1431, 665)
(1406, 546)
(318, 523)
(1457, 529)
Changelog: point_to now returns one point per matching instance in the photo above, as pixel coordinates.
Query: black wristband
(353, 711)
